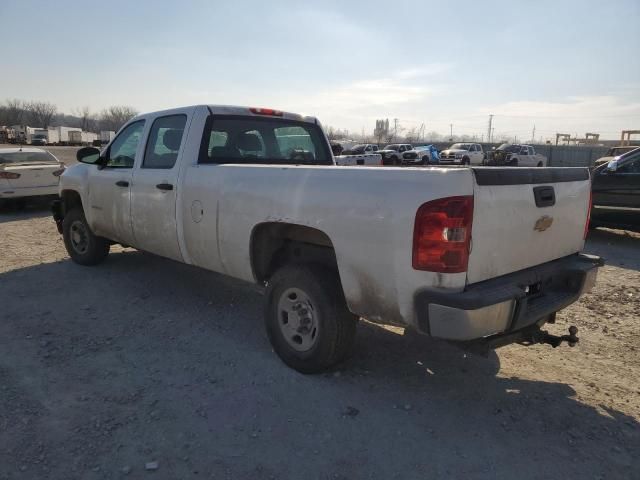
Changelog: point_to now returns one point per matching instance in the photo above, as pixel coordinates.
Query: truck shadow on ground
(15, 210)
(144, 358)
(626, 244)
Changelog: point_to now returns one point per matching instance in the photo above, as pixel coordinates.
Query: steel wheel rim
(298, 320)
(79, 237)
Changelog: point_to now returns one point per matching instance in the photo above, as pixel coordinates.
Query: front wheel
(540, 164)
(83, 246)
(307, 319)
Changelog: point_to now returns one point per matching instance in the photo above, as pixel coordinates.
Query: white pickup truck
(482, 256)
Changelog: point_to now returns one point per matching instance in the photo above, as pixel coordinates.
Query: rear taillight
(442, 235)
(57, 173)
(9, 175)
(266, 111)
(586, 225)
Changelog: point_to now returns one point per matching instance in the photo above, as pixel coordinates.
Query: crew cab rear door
(524, 217)
(155, 184)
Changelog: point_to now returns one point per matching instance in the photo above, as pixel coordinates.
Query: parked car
(39, 139)
(463, 154)
(616, 193)
(515, 155)
(28, 172)
(214, 187)
(428, 154)
(614, 152)
(393, 154)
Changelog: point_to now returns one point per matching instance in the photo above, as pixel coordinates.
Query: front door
(155, 183)
(109, 213)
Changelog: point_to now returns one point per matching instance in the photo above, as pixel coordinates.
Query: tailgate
(40, 175)
(525, 217)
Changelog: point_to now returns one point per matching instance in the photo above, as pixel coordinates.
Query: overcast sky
(569, 66)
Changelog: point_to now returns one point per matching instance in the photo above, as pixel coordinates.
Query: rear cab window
(256, 140)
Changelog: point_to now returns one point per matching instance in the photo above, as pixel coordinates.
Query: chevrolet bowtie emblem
(543, 223)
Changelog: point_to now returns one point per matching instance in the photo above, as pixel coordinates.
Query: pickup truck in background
(463, 154)
(365, 159)
(479, 256)
(616, 193)
(361, 149)
(513, 155)
(394, 154)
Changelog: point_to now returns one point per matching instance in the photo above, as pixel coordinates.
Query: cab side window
(164, 142)
(122, 151)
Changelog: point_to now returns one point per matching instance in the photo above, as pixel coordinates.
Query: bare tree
(412, 135)
(40, 113)
(114, 117)
(87, 119)
(14, 111)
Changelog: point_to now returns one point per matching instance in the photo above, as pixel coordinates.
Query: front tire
(83, 246)
(307, 319)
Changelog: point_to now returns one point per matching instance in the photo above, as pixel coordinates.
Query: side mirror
(612, 166)
(90, 155)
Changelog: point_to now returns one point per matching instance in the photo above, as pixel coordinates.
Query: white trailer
(53, 136)
(75, 137)
(88, 138)
(64, 134)
(106, 136)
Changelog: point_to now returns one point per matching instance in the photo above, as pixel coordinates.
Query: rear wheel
(539, 164)
(83, 246)
(307, 319)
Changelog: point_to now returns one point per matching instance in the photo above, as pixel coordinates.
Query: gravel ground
(106, 370)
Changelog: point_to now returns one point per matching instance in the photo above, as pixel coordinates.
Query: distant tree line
(45, 114)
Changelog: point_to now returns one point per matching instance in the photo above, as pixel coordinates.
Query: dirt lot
(141, 359)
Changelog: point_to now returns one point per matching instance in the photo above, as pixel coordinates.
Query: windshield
(27, 157)
(264, 140)
(460, 146)
(509, 148)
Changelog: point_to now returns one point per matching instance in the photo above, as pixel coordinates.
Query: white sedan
(28, 172)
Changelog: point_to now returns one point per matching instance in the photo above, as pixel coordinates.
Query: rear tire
(307, 319)
(83, 246)
(539, 164)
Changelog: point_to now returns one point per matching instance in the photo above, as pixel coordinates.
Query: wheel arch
(71, 199)
(274, 244)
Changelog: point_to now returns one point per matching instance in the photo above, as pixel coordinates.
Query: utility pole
(489, 129)
(451, 132)
(395, 128)
(533, 134)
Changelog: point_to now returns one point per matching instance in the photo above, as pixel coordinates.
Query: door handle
(122, 183)
(164, 186)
